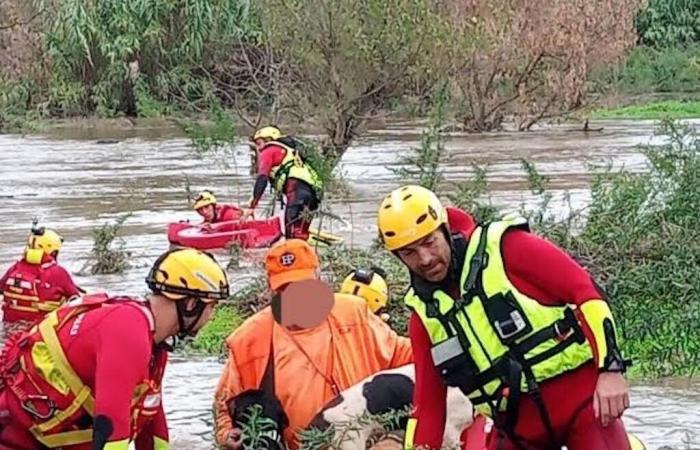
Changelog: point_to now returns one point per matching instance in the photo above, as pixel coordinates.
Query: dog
(271, 412)
(380, 393)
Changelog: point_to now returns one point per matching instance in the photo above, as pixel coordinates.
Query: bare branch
(19, 23)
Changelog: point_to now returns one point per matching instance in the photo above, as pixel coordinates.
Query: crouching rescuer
(510, 319)
(88, 376)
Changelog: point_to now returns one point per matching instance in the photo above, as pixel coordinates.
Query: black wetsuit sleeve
(259, 189)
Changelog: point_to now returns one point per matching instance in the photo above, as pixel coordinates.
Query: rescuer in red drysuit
(282, 165)
(36, 284)
(212, 212)
(89, 375)
(579, 408)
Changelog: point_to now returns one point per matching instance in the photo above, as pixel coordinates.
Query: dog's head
(241, 410)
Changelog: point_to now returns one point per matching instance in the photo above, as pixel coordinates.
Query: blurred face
(303, 304)
(207, 212)
(429, 257)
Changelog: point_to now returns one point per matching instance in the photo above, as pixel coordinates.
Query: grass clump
(109, 254)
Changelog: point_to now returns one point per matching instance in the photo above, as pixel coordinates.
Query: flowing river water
(76, 180)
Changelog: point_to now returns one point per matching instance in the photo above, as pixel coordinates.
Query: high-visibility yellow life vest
(494, 335)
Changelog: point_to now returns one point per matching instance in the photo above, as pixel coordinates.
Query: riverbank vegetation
(672, 109)
(336, 64)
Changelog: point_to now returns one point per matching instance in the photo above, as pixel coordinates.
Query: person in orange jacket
(36, 284)
(89, 375)
(206, 206)
(308, 366)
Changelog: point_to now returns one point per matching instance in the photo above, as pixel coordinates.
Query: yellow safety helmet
(408, 214)
(45, 239)
(186, 272)
(368, 284)
(272, 133)
(205, 198)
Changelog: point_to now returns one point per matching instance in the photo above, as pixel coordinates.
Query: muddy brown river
(75, 184)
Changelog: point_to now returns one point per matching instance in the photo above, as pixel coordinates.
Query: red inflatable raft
(247, 234)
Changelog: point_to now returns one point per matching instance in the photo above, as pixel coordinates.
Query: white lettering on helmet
(206, 281)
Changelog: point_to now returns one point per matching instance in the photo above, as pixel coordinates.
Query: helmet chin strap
(182, 313)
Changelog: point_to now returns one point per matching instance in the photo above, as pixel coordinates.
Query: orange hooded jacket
(349, 346)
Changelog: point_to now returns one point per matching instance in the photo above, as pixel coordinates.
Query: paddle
(324, 237)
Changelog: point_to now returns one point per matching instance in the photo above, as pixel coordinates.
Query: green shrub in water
(105, 257)
(422, 167)
(333, 437)
(255, 424)
(218, 133)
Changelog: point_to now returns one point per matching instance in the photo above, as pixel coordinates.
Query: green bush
(642, 236)
(670, 23)
(649, 70)
(135, 57)
(422, 167)
(210, 339)
(105, 257)
(334, 437)
(16, 105)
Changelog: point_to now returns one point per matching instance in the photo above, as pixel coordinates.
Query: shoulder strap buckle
(27, 404)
